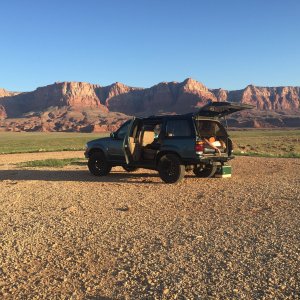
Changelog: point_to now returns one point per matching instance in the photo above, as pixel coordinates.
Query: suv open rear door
(131, 142)
(221, 109)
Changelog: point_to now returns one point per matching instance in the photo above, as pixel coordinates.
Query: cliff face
(75, 94)
(188, 95)
(274, 98)
(5, 93)
(192, 95)
(3, 114)
(264, 98)
(161, 98)
(165, 97)
(220, 94)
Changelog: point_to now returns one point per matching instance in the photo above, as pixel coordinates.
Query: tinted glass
(122, 131)
(178, 128)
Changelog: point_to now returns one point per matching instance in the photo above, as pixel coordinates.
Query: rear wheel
(130, 169)
(170, 168)
(98, 164)
(205, 171)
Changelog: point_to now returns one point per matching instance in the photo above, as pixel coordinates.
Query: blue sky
(227, 44)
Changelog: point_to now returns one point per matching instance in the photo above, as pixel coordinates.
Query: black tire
(98, 164)
(130, 169)
(205, 171)
(170, 168)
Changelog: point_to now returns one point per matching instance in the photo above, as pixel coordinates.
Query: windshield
(122, 131)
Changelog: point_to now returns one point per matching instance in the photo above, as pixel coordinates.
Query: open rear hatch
(213, 137)
(221, 109)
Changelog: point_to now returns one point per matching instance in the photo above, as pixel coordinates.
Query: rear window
(178, 128)
(210, 128)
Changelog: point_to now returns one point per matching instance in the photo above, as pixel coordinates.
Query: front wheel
(98, 164)
(205, 171)
(170, 168)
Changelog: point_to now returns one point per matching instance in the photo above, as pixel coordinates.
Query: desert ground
(65, 234)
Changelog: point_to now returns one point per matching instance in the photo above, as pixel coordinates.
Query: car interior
(144, 142)
(145, 138)
(214, 134)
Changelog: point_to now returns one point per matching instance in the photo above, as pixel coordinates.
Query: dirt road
(65, 234)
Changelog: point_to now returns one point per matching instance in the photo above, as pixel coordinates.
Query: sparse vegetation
(53, 163)
(266, 143)
(25, 142)
(262, 154)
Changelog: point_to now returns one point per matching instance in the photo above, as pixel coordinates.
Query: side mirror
(112, 135)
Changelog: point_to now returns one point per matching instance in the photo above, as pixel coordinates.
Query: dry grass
(52, 163)
(267, 143)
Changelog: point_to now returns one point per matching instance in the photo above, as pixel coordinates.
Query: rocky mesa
(264, 98)
(52, 107)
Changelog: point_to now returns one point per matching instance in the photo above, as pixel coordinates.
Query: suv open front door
(131, 144)
(221, 109)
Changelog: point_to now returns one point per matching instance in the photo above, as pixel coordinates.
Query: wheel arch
(162, 153)
(95, 150)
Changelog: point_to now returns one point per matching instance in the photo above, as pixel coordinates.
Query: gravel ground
(65, 234)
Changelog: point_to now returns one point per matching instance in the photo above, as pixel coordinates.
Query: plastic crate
(223, 172)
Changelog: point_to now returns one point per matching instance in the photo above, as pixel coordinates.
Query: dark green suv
(170, 144)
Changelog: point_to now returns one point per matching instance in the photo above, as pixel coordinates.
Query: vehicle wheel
(205, 171)
(130, 169)
(170, 168)
(98, 164)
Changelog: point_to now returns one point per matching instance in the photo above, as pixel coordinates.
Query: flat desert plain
(65, 234)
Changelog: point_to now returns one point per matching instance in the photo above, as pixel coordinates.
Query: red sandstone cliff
(5, 93)
(73, 94)
(3, 114)
(165, 97)
(264, 98)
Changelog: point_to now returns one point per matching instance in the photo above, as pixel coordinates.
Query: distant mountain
(5, 93)
(275, 106)
(264, 98)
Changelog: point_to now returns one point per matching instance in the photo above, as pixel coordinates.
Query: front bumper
(86, 153)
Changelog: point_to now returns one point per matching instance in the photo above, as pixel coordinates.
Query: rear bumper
(208, 160)
(216, 158)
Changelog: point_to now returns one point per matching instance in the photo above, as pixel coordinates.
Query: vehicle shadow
(76, 175)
